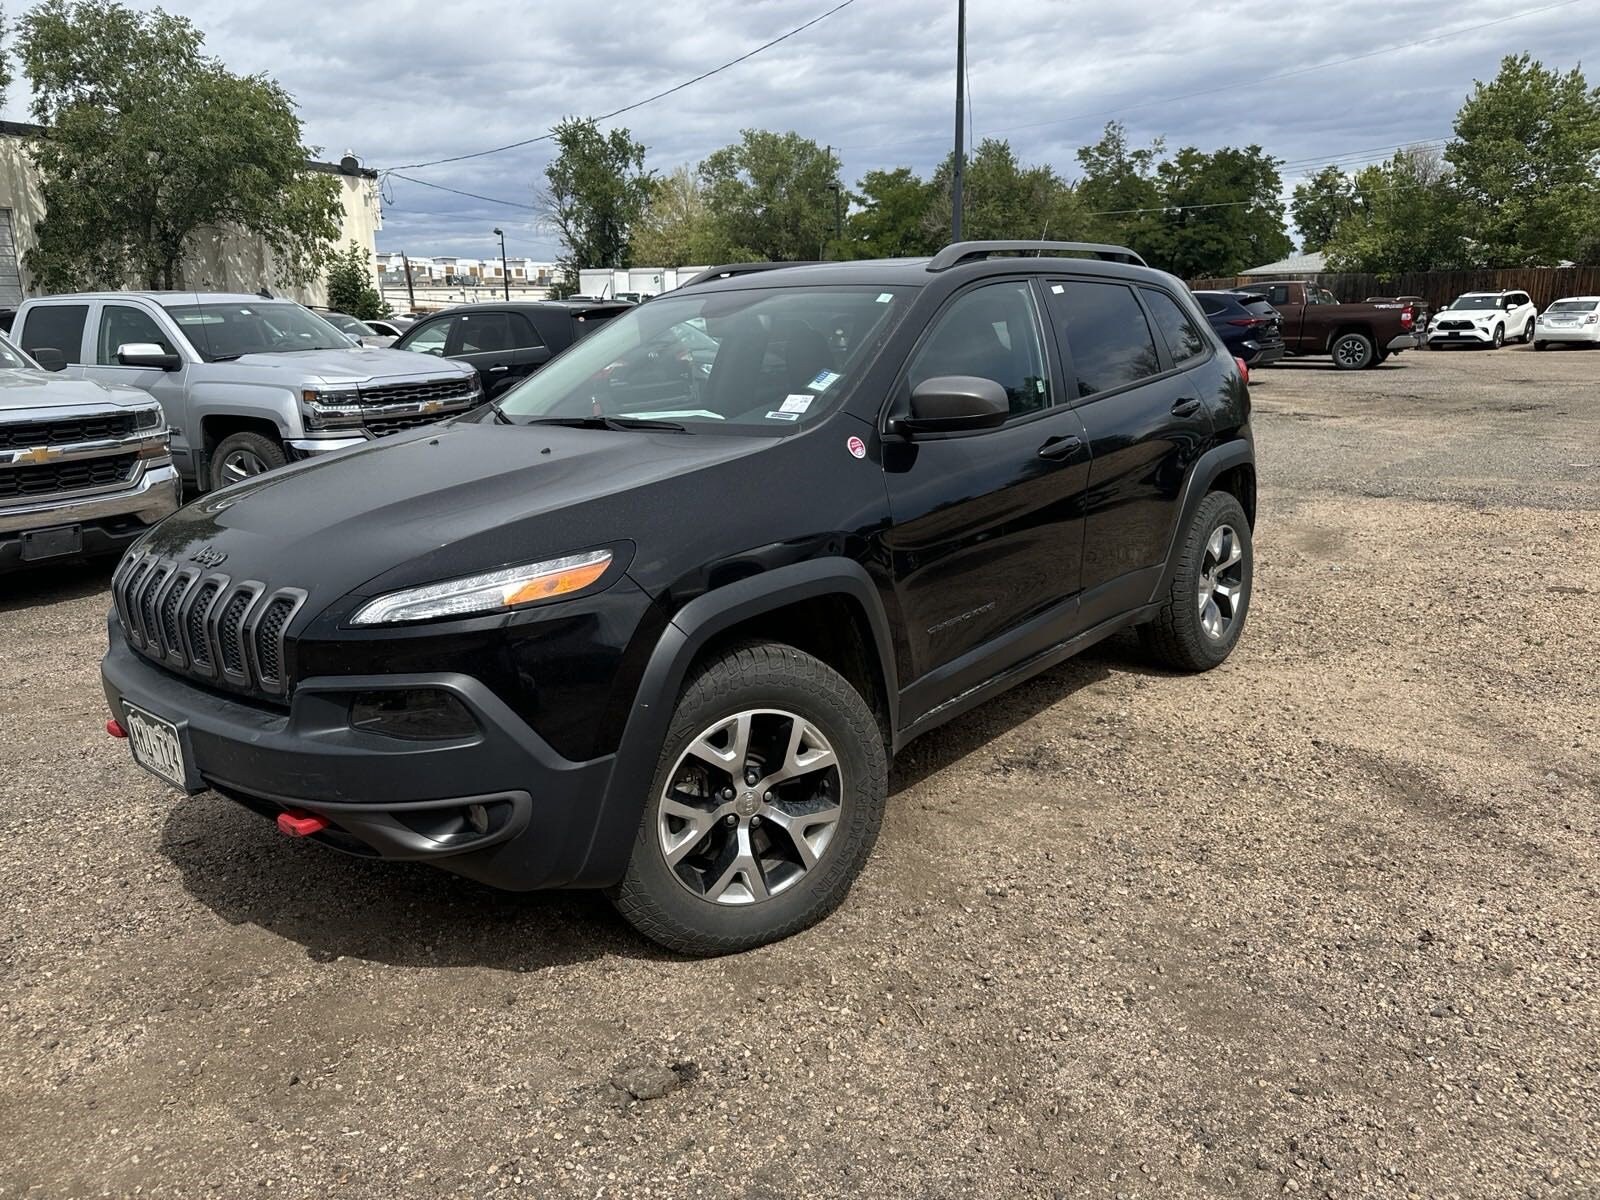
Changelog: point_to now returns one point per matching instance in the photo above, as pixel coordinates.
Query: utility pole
(410, 289)
(505, 269)
(961, 115)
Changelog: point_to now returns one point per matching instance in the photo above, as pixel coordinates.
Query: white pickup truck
(247, 384)
(84, 466)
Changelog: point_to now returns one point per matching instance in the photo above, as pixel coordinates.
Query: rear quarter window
(56, 327)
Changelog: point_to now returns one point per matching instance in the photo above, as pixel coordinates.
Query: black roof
(574, 307)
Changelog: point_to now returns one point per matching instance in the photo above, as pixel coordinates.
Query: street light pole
(505, 270)
(961, 114)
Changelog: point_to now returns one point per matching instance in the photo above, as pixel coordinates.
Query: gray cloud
(406, 82)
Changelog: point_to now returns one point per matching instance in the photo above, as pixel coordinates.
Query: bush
(350, 285)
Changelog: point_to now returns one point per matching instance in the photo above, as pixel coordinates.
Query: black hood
(450, 500)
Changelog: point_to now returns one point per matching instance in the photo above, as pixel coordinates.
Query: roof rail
(960, 252)
(729, 270)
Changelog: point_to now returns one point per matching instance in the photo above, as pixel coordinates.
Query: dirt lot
(1324, 921)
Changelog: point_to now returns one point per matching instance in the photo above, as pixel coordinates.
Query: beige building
(220, 261)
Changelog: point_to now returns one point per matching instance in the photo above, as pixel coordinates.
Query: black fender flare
(688, 632)
(1239, 452)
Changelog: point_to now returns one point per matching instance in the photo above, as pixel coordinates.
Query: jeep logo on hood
(208, 556)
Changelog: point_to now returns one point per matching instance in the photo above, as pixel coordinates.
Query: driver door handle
(498, 367)
(1060, 447)
(1186, 408)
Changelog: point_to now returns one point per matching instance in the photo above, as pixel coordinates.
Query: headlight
(147, 418)
(332, 408)
(490, 592)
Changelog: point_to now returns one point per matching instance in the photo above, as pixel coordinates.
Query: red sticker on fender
(856, 447)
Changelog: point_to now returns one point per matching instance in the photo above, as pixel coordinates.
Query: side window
(1183, 339)
(1277, 295)
(429, 338)
(1111, 342)
(1210, 305)
(56, 327)
(991, 332)
(490, 333)
(121, 324)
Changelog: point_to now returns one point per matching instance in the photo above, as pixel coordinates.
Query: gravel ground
(1323, 921)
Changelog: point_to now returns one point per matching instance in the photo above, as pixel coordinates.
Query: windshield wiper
(608, 423)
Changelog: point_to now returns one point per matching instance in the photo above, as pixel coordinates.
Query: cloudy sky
(403, 82)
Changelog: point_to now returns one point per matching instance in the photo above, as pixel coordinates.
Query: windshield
(10, 356)
(345, 323)
(1476, 301)
(758, 360)
(222, 331)
(1573, 306)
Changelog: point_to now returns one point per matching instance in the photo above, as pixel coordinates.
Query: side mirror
(147, 354)
(955, 403)
(49, 358)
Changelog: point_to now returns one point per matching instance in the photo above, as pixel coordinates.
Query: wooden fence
(1544, 284)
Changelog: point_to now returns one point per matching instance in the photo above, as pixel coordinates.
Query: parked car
(391, 327)
(507, 342)
(1573, 321)
(1356, 336)
(665, 638)
(365, 333)
(1484, 319)
(85, 467)
(1249, 327)
(247, 384)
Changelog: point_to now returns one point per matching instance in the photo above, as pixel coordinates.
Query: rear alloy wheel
(767, 801)
(1204, 610)
(1353, 352)
(240, 456)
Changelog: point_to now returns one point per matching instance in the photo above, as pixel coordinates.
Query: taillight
(1591, 319)
(1405, 317)
(1244, 371)
(1249, 321)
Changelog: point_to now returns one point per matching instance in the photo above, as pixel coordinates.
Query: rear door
(988, 524)
(1133, 356)
(503, 346)
(57, 327)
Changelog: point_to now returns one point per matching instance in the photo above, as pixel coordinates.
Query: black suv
(657, 619)
(508, 342)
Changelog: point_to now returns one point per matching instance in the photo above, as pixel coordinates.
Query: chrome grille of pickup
(52, 478)
(447, 391)
(386, 426)
(208, 626)
(66, 431)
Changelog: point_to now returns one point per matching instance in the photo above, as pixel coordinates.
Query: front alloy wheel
(1221, 586)
(1499, 336)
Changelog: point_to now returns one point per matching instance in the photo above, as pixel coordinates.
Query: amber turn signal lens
(559, 584)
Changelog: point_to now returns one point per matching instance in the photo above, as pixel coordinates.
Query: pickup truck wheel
(1204, 611)
(241, 455)
(766, 802)
(1353, 352)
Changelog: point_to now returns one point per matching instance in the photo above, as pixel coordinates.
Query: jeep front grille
(208, 626)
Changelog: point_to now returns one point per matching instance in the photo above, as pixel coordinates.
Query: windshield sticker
(824, 380)
(783, 416)
(885, 297)
(1055, 289)
(796, 404)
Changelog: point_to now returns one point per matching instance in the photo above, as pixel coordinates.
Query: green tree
(770, 197)
(1118, 189)
(350, 284)
(598, 188)
(152, 142)
(1319, 204)
(1222, 212)
(676, 229)
(1527, 165)
(1003, 198)
(889, 220)
(1406, 217)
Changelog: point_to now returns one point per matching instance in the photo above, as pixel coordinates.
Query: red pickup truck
(1356, 335)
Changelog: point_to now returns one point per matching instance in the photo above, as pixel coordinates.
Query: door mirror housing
(49, 358)
(147, 354)
(955, 403)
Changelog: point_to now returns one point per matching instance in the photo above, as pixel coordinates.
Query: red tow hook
(115, 729)
(296, 823)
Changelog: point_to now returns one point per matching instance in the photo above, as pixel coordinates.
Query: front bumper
(1473, 337)
(109, 520)
(312, 447)
(384, 797)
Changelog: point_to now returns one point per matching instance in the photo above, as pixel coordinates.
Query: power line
(1257, 80)
(458, 192)
(636, 104)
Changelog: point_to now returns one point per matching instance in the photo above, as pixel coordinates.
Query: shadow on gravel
(38, 587)
(401, 914)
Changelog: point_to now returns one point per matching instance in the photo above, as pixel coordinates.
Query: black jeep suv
(656, 620)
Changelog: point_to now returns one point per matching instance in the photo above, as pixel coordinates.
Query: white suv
(1484, 319)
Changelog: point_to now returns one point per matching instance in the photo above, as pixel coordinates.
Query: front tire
(1204, 611)
(766, 802)
(240, 456)
(1527, 332)
(1499, 336)
(1353, 352)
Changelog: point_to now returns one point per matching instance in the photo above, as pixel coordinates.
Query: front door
(121, 324)
(988, 525)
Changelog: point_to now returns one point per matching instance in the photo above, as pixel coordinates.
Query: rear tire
(1353, 352)
(1541, 345)
(738, 874)
(240, 456)
(1206, 604)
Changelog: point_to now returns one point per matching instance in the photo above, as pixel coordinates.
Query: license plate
(52, 543)
(156, 746)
